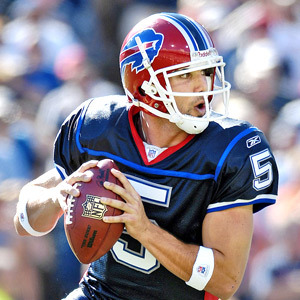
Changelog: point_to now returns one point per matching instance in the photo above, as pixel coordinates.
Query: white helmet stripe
(184, 31)
(202, 33)
(194, 34)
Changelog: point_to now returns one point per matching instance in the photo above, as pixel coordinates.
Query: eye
(185, 75)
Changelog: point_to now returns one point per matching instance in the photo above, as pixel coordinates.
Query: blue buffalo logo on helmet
(152, 42)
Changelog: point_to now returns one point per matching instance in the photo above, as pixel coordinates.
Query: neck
(160, 132)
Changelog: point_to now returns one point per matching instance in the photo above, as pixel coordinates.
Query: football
(88, 236)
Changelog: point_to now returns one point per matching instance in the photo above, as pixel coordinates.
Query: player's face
(190, 82)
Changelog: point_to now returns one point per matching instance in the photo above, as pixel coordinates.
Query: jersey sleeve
(246, 174)
(67, 153)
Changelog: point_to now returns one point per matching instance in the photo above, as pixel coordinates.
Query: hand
(134, 216)
(68, 186)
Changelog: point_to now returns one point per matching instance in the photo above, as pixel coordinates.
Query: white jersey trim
(263, 198)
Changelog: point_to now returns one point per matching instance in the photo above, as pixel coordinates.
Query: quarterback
(192, 177)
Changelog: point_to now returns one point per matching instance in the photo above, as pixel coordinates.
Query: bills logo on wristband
(22, 218)
(203, 270)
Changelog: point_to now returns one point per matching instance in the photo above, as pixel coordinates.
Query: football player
(192, 177)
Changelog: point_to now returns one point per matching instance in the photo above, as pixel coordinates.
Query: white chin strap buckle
(148, 88)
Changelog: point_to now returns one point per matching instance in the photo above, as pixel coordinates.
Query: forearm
(179, 258)
(172, 253)
(41, 209)
(231, 244)
(39, 204)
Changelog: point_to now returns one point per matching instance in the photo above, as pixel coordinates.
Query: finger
(72, 190)
(63, 202)
(114, 219)
(87, 165)
(79, 175)
(117, 204)
(65, 191)
(83, 173)
(115, 188)
(124, 181)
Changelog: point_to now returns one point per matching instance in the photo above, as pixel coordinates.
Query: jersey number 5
(139, 258)
(262, 169)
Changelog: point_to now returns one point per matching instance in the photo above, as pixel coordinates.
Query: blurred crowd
(54, 54)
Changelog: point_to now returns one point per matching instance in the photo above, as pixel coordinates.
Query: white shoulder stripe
(263, 198)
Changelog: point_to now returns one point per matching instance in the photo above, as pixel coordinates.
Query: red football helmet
(165, 45)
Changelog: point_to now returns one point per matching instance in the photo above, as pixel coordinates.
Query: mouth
(201, 108)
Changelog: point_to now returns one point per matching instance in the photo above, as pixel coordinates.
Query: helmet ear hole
(141, 91)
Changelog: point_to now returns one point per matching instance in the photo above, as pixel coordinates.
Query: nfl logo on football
(93, 208)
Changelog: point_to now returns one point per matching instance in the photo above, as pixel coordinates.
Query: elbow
(224, 287)
(228, 289)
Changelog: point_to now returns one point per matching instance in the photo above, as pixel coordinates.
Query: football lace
(70, 204)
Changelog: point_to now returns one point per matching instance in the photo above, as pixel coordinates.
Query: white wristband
(202, 269)
(24, 220)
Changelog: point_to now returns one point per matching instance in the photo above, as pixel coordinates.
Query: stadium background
(56, 53)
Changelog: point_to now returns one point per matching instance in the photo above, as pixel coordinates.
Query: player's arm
(36, 201)
(227, 236)
(43, 200)
(227, 233)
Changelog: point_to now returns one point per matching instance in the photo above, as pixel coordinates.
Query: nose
(199, 81)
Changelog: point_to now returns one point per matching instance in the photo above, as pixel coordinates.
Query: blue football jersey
(230, 164)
